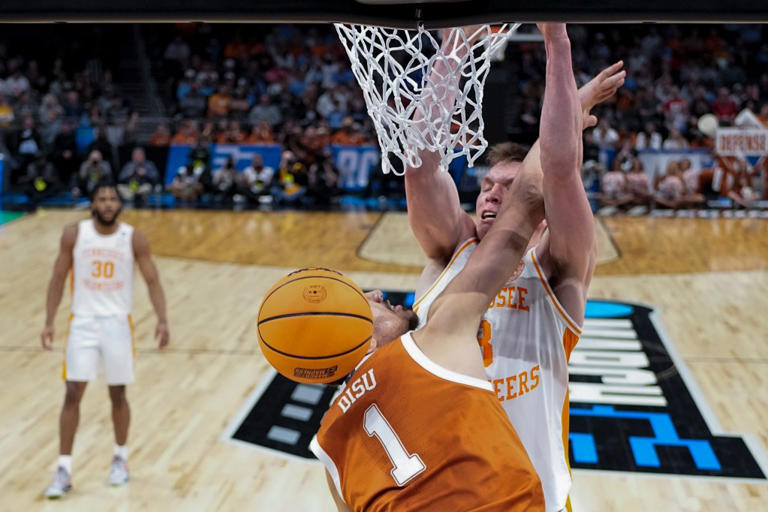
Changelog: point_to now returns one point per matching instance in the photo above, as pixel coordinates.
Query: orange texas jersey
(407, 434)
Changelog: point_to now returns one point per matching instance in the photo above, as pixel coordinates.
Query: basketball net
(421, 95)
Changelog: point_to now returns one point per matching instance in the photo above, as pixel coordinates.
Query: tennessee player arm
(61, 268)
(568, 250)
(152, 278)
(449, 337)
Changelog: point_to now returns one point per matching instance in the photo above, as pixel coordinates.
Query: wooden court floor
(709, 278)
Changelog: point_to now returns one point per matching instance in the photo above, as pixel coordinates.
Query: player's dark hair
(104, 183)
(506, 152)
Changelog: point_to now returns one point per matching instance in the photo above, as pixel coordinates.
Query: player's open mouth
(488, 215)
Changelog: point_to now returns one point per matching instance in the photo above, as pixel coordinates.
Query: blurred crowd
(675, 75)
(62, 119)
(283, 84)
(62, 113)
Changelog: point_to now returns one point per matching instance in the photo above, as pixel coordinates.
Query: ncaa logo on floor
(634, 407)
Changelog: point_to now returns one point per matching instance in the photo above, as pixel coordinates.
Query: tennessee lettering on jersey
(525, 338)
(511, 297)
(513, 386)
(102, 270)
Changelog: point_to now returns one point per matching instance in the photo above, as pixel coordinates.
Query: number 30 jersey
(406, 434)
(102, 271)
(526, 338)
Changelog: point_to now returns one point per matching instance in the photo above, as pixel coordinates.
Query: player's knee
(117, 396)
(72, 397)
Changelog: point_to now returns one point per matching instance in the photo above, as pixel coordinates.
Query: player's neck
(105, 229)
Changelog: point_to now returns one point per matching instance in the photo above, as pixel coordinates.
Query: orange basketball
(314, 325)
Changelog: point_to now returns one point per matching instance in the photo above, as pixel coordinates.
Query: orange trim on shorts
(563, 314)
(133, 338)
(442, 274)
(71, 280)
(66, 341)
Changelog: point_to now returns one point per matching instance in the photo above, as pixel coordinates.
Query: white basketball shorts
(91, 340)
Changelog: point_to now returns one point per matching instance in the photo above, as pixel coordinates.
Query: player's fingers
(613, 68)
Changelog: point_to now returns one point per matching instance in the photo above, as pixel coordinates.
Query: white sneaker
(61, 485)
(118, 474)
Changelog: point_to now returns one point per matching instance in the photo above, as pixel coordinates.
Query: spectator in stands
(639, 187)
(193, 104)
(230, 133)
(322, 179)
(265, 111)
(218, 103)
(187, 134)
(71, 106)
(6, 112)
(261, 134)
(613, 193)
(649, 138)
(241, 102)
(92, 171)
(675, 140)
(692, 196)
(40, 181)
(16, 83)
(670, 189)
(225, 181)
(177, 53)
(161, 136)
(724, 107)
(138, 177)
(193, 178)
(347, 134)
(256, 180)
(64, 152)
(27, 144)
(291, 180)
(605, 136)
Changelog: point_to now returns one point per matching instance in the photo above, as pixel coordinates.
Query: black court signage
(633, 406)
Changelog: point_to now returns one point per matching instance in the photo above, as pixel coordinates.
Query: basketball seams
(367, 340)
(314, 313)
(311, 277)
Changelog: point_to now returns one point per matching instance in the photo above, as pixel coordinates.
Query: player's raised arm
(434, 211)
(571, 254)
(56, 285)
(156, 294)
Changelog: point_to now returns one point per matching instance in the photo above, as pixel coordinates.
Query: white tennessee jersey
(526, 338)
(102, 271)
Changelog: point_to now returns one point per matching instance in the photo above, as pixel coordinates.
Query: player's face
(389, 322)
(106, 206)
(492, 190)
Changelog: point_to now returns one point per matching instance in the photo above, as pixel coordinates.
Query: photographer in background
(94, 170)
(138, 177)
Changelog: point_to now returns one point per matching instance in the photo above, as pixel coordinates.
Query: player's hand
(46, 337)
(599, 89)
(162, 334)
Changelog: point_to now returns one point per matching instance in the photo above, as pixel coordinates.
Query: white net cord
(420, 95)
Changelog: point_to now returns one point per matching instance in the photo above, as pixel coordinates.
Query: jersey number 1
(406, 466)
